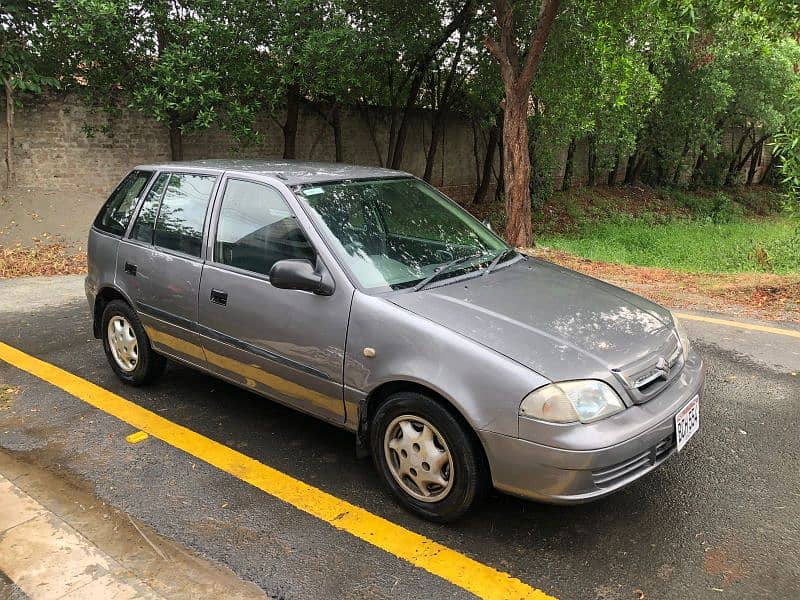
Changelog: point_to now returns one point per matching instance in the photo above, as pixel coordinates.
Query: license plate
(687, 422)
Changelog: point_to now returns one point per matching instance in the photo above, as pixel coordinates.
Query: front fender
(482, 384)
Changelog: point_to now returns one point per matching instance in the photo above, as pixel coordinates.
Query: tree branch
(494, 49)
(547, 14)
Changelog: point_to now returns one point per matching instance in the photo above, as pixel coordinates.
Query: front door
(286, 344)
(159, 264)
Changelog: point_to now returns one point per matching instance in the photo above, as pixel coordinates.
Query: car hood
(560, 323)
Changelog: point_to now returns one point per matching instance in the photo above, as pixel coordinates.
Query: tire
(465, 474)
(131, 357)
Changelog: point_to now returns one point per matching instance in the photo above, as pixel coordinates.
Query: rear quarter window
(116, 212)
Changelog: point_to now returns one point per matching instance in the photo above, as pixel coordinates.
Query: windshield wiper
(445, 268)
(496, 260)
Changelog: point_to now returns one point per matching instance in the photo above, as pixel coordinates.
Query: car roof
(291, 172)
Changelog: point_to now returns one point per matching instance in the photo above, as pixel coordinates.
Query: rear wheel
(127, 346)
(427, 458)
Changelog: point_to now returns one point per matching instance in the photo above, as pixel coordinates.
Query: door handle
(219, 297)
(130, 269)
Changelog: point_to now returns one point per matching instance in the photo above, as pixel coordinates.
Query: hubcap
(418, 458)
(123, 343)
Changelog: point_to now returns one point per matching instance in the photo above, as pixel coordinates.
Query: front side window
(179, 225)
(257, 228)
(395, 233)
(116, 212)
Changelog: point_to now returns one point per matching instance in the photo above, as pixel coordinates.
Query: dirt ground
(39, 216)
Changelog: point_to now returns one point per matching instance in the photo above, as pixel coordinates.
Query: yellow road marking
(137, 437)
(764, 328)
(467, 573)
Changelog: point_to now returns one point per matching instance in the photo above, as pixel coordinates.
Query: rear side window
(146, 221)
(179, 225)
(116, 212)
(257, 228)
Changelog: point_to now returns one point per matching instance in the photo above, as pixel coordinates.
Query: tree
(159, 57)
(482, 94)
(443, 97)
(25, 64)
(409, 37)
(518, 66)
(787, 146)
(182, 86)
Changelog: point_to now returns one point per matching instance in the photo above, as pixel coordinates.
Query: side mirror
(487, 224)
(301, 274)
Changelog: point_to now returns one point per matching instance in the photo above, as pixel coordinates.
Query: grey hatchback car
(364, 297)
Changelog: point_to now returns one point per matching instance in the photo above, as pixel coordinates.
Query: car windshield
(396, 233)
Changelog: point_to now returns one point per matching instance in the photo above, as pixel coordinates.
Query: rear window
(116, 212)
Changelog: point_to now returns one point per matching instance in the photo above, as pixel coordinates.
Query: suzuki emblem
(663, 365)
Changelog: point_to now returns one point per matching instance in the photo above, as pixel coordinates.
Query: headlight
(682, 336)
(571, 401)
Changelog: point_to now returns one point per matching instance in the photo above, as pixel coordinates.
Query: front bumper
(573, 475)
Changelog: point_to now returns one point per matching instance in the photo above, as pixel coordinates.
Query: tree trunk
(765, 173)
(476, 155)
(640, 165)
(337, 133)
(420, 68)
(732, 170)
(756, 147)
(676, 175)
(10, 172)
(392, 135)
(371, 120)
(436, 133)
(612, 174)
(517, 76)
(500, 188)
(630, 169)
(568, 165)
(755, 159)
(488, 162)
(437, 128)
(175, 141)
(697, 172)
(517, 170)
(402, 132)
(591, 164)
(292, 118)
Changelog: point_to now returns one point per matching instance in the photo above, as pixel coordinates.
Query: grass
(770, 245)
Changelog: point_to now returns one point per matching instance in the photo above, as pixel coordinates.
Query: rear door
(108, 228)
(286, 344)
(159, 263)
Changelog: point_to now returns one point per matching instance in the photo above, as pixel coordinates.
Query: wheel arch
(105, 295)
(385, 390)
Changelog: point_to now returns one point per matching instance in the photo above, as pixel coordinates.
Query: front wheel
(429, 461)
(127, 346)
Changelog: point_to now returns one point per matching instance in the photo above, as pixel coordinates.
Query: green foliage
(180, 89)
(787, 145)
(595, 79)
(25, 44)
(716, 208)
(744, 245)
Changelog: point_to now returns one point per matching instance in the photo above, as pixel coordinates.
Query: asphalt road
(722, 519)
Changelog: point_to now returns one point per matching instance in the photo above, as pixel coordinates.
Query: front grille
(648, 377)
(628, 469)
